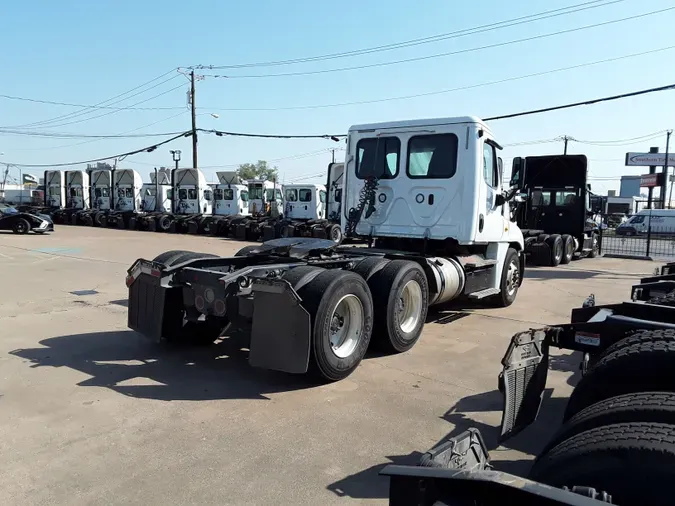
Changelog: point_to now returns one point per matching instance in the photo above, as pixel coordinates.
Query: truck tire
(21, 226)
(664, 300)
(164, 223)
(298, 277)
(542, 237)
(287, 231)
(510, 282)
(334, 233)
(648, 355)
(133, 224)
(657, 407)
(341, 310)
(632, 462)
(556, 244)
(369, 266)
(401, 297)
(568, 249)
(595, 247)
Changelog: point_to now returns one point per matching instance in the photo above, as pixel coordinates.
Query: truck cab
(437, 180)
(305, 201)
(77, 189)
(101, 184)
(151, 203)
(192, 195)
(55, 189)
(127, 185)
(230, 195)
(264, 197)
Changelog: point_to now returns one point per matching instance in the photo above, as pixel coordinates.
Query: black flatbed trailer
(617, 441)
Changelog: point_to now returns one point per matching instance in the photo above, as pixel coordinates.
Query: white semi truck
(427, 196)
(76, 194)
(266, 210)
(127, 190)
(230, 205)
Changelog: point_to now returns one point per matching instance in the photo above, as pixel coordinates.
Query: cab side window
(490, 169)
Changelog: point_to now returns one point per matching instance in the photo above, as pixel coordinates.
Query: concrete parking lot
(92, 413)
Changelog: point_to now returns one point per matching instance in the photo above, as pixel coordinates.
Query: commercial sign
(651, 180)
(650, 159)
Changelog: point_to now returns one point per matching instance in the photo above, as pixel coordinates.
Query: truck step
(484, 293)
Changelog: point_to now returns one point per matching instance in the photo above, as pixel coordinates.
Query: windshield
(244, 196)
(291, 195)
(305, 195)
(256, 192)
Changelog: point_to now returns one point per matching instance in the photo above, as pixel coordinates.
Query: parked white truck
(76, 194)
(230, 205)
(425, 193)
(127, 199)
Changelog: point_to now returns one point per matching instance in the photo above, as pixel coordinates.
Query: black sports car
(22, 223)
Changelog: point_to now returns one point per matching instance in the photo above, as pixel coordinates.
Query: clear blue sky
(86, 52)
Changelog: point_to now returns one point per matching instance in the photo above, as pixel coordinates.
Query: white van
(661, 221)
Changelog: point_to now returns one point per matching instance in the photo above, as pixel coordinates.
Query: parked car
(22, 222)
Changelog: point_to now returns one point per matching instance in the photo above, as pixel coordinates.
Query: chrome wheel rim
(409, 306)
(512, 277)
(346, 325)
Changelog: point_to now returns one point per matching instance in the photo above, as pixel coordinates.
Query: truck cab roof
(419, 123)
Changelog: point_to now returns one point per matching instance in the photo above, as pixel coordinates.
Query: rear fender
(523, 379)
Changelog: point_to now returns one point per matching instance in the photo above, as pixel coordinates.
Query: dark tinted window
(432, 156)
(218, 194)
(292, 195)
(182, 194)
(540, 198)
(378, 157)
(228, 194)
(192, 194)
(305, 195)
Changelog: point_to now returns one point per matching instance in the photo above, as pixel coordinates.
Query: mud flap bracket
(523, 379)
(281, 331)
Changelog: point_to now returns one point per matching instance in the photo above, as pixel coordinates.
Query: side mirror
(500, 200)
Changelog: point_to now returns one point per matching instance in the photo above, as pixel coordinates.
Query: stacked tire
(618, 433)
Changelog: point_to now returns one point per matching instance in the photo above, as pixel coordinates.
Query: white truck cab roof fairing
(435, 179)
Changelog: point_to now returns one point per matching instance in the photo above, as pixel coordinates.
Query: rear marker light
(219, 307)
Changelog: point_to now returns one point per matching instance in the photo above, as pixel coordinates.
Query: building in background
(630, 186)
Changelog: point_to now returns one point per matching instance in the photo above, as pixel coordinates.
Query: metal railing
(645, 235)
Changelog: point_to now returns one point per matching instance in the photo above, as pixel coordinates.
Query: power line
(622, 142)
(668, 87)
(112, 101)
(68, 104)
(114, 136)
(148, 149)
(114, 112)
(424, 40)
(221, 133)
(450, 90)
(56, 135)
(449, 53)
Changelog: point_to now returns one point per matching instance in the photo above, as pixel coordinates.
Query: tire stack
(618, 433)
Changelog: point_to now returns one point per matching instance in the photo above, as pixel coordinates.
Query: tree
(259, 170)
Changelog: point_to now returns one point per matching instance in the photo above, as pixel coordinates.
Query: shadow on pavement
(129, 364)
(367, 484)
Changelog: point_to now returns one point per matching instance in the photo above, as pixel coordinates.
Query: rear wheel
(595, 247)
(401, 298)
(632, 462)
(648, 355)
(21, 226)
(555, 243)
(164, 223)
(341, 309)
(568, 249)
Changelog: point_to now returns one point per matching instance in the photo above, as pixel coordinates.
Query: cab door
(491, 223)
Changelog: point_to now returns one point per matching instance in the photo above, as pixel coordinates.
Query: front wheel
(335, 234)
(510, 281)
(595, 248)
(21, 226)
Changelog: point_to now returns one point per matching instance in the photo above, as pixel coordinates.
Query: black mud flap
(466, 452)
(146, 305)
(282, 328)
(523, 379)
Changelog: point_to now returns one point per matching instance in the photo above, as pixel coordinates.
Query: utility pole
(333, 154)
(665, 173)
(652, 170)
(194, 119)
(566, 139)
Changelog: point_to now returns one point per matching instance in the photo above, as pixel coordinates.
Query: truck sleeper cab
(427, 192)
(231, 205)
(266, 209)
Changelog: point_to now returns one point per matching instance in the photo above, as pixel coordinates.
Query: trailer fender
(523, 379)
(279, 344)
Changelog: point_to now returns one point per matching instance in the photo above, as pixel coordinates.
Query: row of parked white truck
(181, 200)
